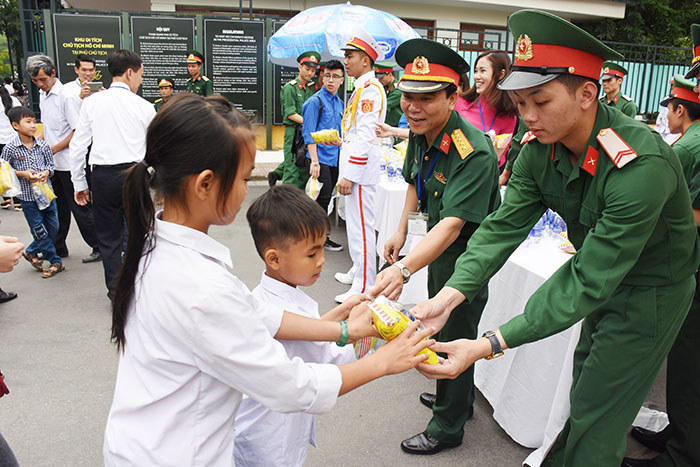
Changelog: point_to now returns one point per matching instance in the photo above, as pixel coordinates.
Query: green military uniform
(393, 95)
(621, 102)
(200, 85)
(516, 144)
(292, 97)
(163, 81)
(455, 176)
(632, 278)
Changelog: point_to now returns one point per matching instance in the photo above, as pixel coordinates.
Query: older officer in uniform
(197, 83)
(678, 442)
(632, 278)
(384, 72)
(612, 77)
(166, 85)
(292, 97)
(359, 160)
(452, 172)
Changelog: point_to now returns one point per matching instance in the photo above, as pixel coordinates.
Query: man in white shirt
(85, 71)
(115, 121)
(8, 85)
(59, 114)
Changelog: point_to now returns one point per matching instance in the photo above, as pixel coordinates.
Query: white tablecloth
(528, 387)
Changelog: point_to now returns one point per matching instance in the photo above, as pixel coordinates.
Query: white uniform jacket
(359, 155)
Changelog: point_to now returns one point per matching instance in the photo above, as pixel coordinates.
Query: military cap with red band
(429, 66)
(613, 70)
(362, 41)
(195, 57)
(682, 89)
(309, 58)
(549, 46)
(164, 81)
(383, 67)
(695, 66)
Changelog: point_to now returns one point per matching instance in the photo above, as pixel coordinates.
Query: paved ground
(60, 367)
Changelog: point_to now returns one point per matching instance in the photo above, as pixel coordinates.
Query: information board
(234, 54)
(92, 35)
(163, 43)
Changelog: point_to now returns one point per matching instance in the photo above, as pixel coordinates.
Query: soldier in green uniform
(612, 77)
(197, 83)
(292, 97)
(166, 86)
(621, 190)
(678, 442)
(452, 172)
(385, 74)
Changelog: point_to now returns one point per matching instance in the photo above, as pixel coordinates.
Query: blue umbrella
(325, 29)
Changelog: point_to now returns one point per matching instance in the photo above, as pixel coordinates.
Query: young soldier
(452, 172)
(678, 442)
(292, 97)
(359, 161)
(632, 278)
(197, 83)
(165, 87)
(385, 74)
(613, 74)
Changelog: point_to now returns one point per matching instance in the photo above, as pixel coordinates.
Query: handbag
(298, 143)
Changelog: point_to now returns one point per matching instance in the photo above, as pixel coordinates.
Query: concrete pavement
(60, 368)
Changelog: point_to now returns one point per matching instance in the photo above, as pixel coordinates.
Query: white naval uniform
(265, 438)
(359, 163)
(196, 340)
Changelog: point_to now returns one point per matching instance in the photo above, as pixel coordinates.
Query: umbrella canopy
(325, 29)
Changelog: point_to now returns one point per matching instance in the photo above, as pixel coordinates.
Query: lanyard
(483, 127)
(421, 182)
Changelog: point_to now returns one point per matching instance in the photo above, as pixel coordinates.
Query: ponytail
(139, 212)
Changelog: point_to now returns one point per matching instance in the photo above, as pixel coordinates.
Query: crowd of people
(211, 373)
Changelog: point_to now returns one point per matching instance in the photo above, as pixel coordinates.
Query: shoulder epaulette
(626, 97)
(158, 100)
(602, 99)
(294, 81)
(527, 137)
(618, 150)
(464, 147)
(205, 78)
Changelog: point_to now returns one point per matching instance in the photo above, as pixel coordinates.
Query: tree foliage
(659, 22)
(9, 26)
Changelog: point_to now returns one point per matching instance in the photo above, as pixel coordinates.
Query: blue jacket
(331, 116)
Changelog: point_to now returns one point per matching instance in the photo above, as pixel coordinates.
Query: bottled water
(41, 199)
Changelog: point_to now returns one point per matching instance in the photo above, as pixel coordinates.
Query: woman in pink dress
(487, 107)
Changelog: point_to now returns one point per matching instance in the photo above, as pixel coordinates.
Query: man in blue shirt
(323, 158)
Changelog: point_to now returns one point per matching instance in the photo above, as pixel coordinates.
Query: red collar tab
(445, 143)
(556, 56)
(591, 160)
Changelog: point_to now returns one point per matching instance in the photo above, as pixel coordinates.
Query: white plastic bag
(9, 181)
(313, 188)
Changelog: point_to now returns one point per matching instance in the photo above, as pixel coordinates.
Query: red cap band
(555, 56)
(697, 54)
(384, 70)
(310, 58)
(363, 46)
(430, 72)
(685, 94)
(617, 73)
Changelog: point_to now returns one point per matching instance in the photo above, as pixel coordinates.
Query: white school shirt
(195, 342)
(265, 438)
(7, 133)
(115, 121)
(59, 113)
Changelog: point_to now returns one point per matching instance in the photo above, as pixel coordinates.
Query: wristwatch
(405, 272)
(496, 350)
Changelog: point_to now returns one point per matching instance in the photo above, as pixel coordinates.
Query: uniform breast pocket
(434, 192)
(553, 201)
(589, 216)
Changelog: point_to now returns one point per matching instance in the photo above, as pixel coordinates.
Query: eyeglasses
(333, 77)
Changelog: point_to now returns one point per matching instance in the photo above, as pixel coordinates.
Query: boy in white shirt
(289, 230)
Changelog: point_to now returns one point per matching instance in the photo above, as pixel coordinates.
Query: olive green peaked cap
(548, 46)
(613, 70)
(682, 89)
(429, 66)
(695, 66)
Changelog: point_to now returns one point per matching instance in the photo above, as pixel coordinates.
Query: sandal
(54, 269)
(34, 261)
(18, 207)
(6, 204)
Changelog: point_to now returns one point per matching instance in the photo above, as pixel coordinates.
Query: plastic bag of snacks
(389, 319)
(9, 183)
(326, 136)
(43, 194)
(313, 188)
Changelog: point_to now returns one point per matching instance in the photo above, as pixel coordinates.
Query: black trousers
(65, 202)
(328, 175)
(108, 211)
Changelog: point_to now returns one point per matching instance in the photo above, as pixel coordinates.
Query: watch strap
(405, 273)
(496, 349)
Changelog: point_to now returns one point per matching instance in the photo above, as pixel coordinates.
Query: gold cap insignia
(313, 59)
(421, 66)
(164, 82)
(606, 69)
(523, 51)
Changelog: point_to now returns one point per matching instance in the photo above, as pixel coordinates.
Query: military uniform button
(436, 193)
(426, 158)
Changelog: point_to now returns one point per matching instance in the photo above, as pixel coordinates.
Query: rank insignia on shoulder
(618, 150)
(367, 106)
(205, 78)
(445, 143)
(527, 137)
(440, 177)
(626, 97)
(464, 147)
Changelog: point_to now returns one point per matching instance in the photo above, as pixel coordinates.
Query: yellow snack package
(390, 323)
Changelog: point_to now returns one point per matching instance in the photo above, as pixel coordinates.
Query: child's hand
(355, 300)
(400, 354)
(360, 323)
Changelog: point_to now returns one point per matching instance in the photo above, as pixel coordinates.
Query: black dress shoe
(629, 462)
(427, 399)
(272, 178)
(93, 257)
(6, 296)
(651, 439)
(424, 444)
